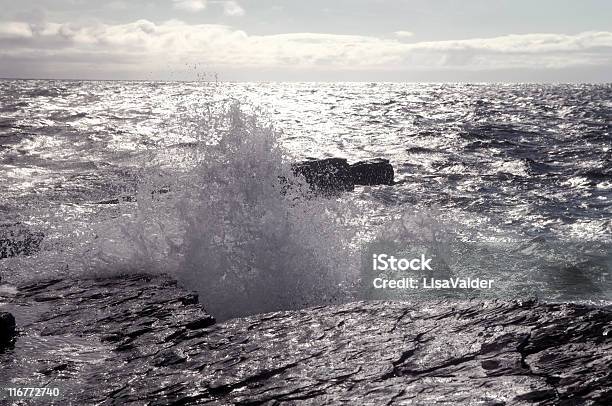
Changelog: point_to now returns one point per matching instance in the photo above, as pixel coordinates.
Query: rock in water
(331, 175)
(156, 346)
(334, 175)
(16, 239)
(7, 328)
(372, 172)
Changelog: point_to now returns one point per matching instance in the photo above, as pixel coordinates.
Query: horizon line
(310, 81)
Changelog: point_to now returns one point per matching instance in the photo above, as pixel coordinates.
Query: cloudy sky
(378, 40)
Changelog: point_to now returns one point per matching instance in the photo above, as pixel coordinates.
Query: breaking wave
(228, 218)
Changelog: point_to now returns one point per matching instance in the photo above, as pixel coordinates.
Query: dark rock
(117, 200)
(326, 176)
(372, 172)
(163, 350)
(201, 323)
(329, 176)
(333, 175)
(132, 199)
(16, 239)
(7, 328)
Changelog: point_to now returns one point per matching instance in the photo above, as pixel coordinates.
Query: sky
(314, 40)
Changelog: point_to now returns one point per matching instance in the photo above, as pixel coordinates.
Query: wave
(227, 226)
(231, 228)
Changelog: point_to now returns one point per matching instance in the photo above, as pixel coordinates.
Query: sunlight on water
(179, 178)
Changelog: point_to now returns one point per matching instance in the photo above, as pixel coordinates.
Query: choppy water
(506, 181)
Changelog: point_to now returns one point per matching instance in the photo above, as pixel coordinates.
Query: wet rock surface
(7, 329)
(17, 239)
(334, 175)
(143, 340)
(372, 172)
(326, 176)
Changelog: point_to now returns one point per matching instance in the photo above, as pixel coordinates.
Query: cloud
(15, 30)
(233, 9)
(404, 34)
(525, 43)
(143, 45)
(190, 5)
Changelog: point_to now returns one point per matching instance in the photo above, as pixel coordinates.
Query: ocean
(505, 182)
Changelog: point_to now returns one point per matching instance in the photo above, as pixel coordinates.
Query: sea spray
(234, 223)
(409, 235)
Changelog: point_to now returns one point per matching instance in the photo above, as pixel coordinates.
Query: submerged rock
(159, 347)
(117, 200)
(16, 239)
(132, 199)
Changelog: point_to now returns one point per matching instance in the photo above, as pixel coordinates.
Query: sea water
(503, 182)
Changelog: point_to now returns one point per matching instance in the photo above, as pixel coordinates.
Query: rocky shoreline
(144, 340)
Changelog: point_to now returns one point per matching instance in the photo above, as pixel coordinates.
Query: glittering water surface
(516, 178)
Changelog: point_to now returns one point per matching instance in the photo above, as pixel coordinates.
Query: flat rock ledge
(143, 340)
